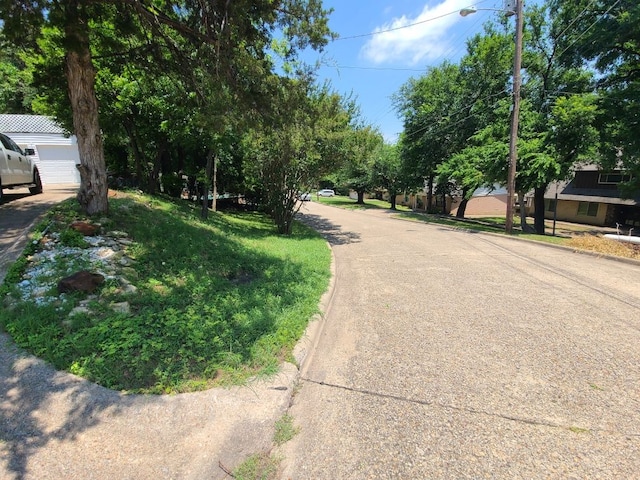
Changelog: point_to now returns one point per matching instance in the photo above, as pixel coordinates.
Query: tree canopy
(211, 46)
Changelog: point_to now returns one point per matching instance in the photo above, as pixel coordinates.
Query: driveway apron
(449, 354)
(19, 211)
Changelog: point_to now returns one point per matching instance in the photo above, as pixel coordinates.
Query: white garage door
(57, 163)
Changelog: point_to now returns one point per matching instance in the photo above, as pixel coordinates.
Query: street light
(513, 7)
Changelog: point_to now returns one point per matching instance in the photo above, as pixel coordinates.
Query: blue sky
(373, 63)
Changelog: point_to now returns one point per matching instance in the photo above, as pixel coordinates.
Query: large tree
(388, 172)
(604, 34)
(429, 106)
(479, 156)
(361, 145)
(297, 141)
(557, 129)
(225, 35)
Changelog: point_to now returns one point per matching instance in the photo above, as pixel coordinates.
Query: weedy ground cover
(215, 301)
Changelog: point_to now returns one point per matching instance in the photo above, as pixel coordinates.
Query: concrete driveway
(19, 210)
(447, 354)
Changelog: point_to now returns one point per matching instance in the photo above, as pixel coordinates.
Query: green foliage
(360, 148)
(285, 430)
(388, 172)
(172, 80)
(16, 91)
(72, 238)
(300, 142)
(216, 302)
(609, 42)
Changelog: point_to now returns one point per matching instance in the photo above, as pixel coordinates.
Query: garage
(55, 151)
(57, 163)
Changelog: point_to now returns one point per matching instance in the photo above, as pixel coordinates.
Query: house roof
(490, 191)
(10, 123)
(566, 191)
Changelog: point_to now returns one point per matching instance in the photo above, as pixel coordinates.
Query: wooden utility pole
(515, 117)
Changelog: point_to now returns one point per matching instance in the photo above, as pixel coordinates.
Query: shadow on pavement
(29, 389)
(330, 231)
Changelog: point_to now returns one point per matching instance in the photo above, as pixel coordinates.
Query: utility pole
(515, 117)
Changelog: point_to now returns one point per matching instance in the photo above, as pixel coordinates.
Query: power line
(421, 70)
(378, 32)
(487, 109)
(395, 28)
(589, 27)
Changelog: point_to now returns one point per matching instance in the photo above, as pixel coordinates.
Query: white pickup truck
(16, 168)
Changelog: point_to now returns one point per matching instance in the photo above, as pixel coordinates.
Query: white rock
(121, 307)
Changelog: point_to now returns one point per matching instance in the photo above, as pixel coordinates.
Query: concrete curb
(306, 346)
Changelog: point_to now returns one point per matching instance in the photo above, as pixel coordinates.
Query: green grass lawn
(350, 204)
(216, 301)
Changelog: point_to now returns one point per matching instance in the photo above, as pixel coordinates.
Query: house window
(588, 209)
(613, 178)
(551, 205)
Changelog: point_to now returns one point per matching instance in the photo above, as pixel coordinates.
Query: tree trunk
(523, 215)
(154, 175)
(392, 200)
(429, 195)
(214, 207)
(538, 202)
(80, 73)
(204, 212)
(360, 197)
(462, 208)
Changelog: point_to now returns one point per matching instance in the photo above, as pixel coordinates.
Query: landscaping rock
(85, 228)
(105, 253)
(121, 307)
(126, 261)
(117, 234)
(79, 310)
(127, 288)
(82, 281)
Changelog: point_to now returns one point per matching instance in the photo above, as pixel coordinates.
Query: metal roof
(10, 123)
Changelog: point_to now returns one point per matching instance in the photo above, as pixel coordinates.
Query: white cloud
(427, 40)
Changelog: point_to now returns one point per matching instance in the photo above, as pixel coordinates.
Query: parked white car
(16, 168)
(325, 192)
(304, 196)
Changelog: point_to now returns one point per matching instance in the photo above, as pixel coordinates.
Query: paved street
(448, 354)
(442, 354)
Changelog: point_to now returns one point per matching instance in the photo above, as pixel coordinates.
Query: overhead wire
(449, 126)
(589, 27)
(452, 53)
(446, 54)
(487, 109)
(393, 29)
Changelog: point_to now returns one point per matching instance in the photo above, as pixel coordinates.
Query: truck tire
(38, 183)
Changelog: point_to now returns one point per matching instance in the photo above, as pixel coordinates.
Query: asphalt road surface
(449, 354)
